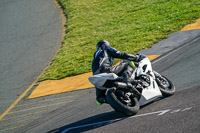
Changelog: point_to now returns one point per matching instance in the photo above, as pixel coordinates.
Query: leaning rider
(102, 63)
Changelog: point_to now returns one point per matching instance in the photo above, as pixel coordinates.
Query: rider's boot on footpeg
(101, 100)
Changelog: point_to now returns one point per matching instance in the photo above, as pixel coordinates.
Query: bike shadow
(95, 121)
(90, 123)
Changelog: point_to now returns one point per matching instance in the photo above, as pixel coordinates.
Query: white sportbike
(128, 99)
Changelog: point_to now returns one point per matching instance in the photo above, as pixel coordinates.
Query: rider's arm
(117, 54)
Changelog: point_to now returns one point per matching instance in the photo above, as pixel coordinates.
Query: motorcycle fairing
(100, 79)
(144, 68)
(150, 93)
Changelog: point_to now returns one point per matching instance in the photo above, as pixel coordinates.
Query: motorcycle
(128, 98)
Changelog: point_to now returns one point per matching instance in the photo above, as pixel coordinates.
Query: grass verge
(129, 25)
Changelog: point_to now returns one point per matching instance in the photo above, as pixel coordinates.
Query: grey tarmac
(182, 109)
(30, 34)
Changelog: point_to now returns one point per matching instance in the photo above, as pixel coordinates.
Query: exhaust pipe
(120, 85)
(126, 86)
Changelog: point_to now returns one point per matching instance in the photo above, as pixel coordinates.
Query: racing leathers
(102, 63)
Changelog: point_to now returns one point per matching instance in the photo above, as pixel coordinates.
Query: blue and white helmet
(103, 44)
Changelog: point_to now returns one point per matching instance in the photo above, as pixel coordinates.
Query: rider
(102, 63)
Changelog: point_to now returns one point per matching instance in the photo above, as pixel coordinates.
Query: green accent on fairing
(98, 103)
(132, 64)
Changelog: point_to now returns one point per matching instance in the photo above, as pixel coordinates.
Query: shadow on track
(91, 123)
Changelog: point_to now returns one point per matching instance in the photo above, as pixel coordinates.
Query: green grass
(129, 25)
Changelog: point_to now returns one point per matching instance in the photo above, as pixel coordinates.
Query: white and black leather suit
(103, 61)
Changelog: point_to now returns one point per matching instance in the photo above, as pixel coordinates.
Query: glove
(131, 57)
(140, 57)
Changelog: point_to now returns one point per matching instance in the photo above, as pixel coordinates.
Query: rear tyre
(121, 107)
(166, 87)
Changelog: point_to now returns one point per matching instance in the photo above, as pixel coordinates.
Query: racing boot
(101, 100)
(100, 96)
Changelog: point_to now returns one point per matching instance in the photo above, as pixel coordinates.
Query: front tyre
(166, 87)
(130, 109)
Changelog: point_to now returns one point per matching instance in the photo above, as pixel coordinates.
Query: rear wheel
(123, 102)
(165, 85)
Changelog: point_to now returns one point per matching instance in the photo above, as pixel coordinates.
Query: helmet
(103, 44)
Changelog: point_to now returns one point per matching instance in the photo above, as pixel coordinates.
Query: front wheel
(123, 103)
(165, 85)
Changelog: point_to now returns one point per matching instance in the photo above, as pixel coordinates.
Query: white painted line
(93, 124)
(175, 111)
(159, 113)
(187, 109)
(162, 112)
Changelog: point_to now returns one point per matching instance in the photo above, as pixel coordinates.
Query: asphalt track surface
(30, 34)
(178, 113)
(24, 39)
